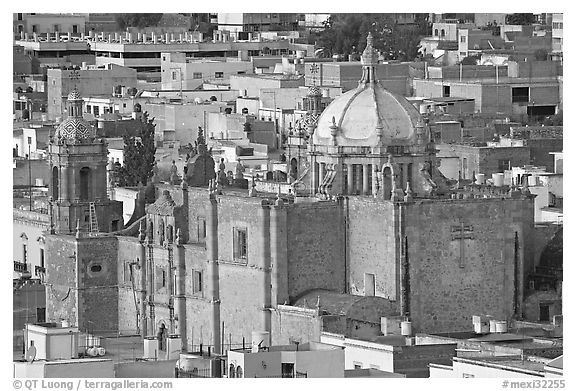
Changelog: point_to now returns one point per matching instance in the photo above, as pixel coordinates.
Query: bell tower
(78, 161)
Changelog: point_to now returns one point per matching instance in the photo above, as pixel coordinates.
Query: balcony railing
(39, 271)
(20, 267)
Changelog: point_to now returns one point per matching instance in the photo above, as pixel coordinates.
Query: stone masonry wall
(61, 299)
(371, 246)
(445, 290)
(98, 284)
(315, 248)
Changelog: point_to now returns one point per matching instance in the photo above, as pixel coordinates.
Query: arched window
(239, 372)
(442, 33)
(162, 334)
(435, 32)
(55, 194)
(84, 183)
(161, 231)
(232, 372)
(387, 183)
(150, 233)
(245, 110)
(169, 233)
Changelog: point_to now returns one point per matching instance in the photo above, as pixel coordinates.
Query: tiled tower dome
(75, 128)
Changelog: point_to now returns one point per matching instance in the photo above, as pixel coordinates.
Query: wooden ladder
(93, 218)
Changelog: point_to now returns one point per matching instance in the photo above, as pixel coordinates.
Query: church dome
(74, 95)
(75, 127)
(368, 114)
(314, 91)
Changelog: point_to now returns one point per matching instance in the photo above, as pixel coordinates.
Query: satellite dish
(31, 353)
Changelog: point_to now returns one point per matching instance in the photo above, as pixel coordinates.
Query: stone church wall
(451, 280)
(128, 251)
(371, 246)
(98, 275)
(61, 299)
(315, 248)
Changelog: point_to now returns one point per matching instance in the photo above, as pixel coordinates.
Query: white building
(311, 359)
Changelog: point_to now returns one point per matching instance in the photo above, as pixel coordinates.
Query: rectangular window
(445, 91)
(89, 109)
(197, 282)
(463, 39)
(201, 229)
(29, 140)
(240, 244)
(197, 75)
(19, 17)
(127, 274)
(96, 111)
(174, 73)
(24, 253)
(123, 105)
(74, 29)
(40, 314)
(520, 94)
(219, 75)
(34, 28)
(41, 257)
(163, 278)
(503, 165)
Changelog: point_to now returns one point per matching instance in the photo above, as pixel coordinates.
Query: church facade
(212, 265)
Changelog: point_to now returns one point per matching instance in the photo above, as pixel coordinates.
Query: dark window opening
(96, 268)
(446, 91)
(197, 282)
(42, 257)
(24, 253)
(40, 315)
(55, 183)
(544, 312)
(84, 183)
(114, 225)
(540, 111)
(74, 29)
(520, 94)
(241, 244)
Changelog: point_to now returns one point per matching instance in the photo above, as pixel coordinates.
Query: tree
(345, 34)
(139, 155)
(520, 19)
(137, 20)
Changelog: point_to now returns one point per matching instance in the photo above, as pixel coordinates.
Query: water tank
(92, 352)
(498, 179)
(480, 179)
(501, 326)
(101, 351)
(406, 328)
(185, 363)
(260, 339)
(492, 326)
